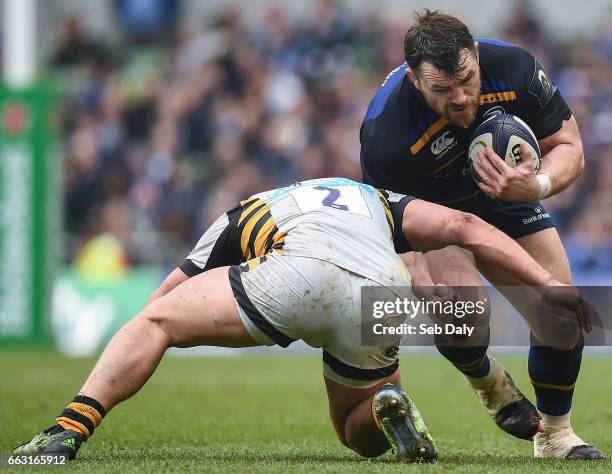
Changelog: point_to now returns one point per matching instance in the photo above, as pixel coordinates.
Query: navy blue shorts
(517, 219)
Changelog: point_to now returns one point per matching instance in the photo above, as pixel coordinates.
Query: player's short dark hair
(437, 38)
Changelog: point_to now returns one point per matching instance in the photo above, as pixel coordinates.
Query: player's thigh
(343, 399)
(453, 266)
(200, 311)
(545, 247)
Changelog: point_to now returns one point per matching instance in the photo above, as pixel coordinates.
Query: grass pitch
(269, 414)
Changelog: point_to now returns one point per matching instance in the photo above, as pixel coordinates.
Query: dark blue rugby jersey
(408, 148)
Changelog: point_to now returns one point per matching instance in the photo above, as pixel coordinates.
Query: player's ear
(413, 78)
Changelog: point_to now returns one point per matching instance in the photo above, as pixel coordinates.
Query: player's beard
(465, 116)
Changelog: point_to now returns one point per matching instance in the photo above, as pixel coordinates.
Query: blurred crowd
(164, 132)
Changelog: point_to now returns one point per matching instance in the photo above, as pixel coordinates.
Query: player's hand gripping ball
(505, 134)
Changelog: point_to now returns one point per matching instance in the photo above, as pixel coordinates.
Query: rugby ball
(504, 133)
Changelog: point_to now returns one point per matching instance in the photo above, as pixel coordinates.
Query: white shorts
(286, 298)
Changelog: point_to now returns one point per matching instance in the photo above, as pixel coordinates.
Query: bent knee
(156, 324)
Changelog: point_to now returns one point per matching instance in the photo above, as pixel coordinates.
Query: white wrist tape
(545, 185)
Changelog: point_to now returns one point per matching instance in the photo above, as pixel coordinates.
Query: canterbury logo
(442, 143)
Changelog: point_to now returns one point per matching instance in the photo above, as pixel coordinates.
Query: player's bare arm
(429, 226)
(562, 156)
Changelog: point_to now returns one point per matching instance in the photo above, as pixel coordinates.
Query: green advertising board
(29, 212)
(88, 312)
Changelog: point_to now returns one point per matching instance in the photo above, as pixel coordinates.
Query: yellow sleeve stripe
(390, 220)
(255, 262)
(432, 130)
(278, 241)
(249, 207)
(263, 236)
(249, 201)
(387, 209)
(245, 236)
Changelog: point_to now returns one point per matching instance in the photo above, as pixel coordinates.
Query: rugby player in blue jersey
(414, 140)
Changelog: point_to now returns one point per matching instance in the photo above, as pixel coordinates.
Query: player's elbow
(576, 144)
(581, 162)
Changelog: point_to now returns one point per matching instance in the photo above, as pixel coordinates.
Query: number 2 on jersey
(343, 198)
(332, 197)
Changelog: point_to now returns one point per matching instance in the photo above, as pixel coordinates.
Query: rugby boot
(54, 441)
(403, 425)
(505, 403)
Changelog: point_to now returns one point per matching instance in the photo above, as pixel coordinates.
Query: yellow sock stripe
(88, 411)
(69, 424)
(552, 386)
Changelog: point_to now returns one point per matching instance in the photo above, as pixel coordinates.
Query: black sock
(470, 360)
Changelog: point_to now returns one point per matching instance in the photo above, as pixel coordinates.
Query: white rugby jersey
(349, 224)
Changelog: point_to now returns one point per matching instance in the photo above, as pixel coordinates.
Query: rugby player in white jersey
(290, 264)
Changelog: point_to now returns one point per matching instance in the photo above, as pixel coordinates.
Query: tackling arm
(429, 226)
